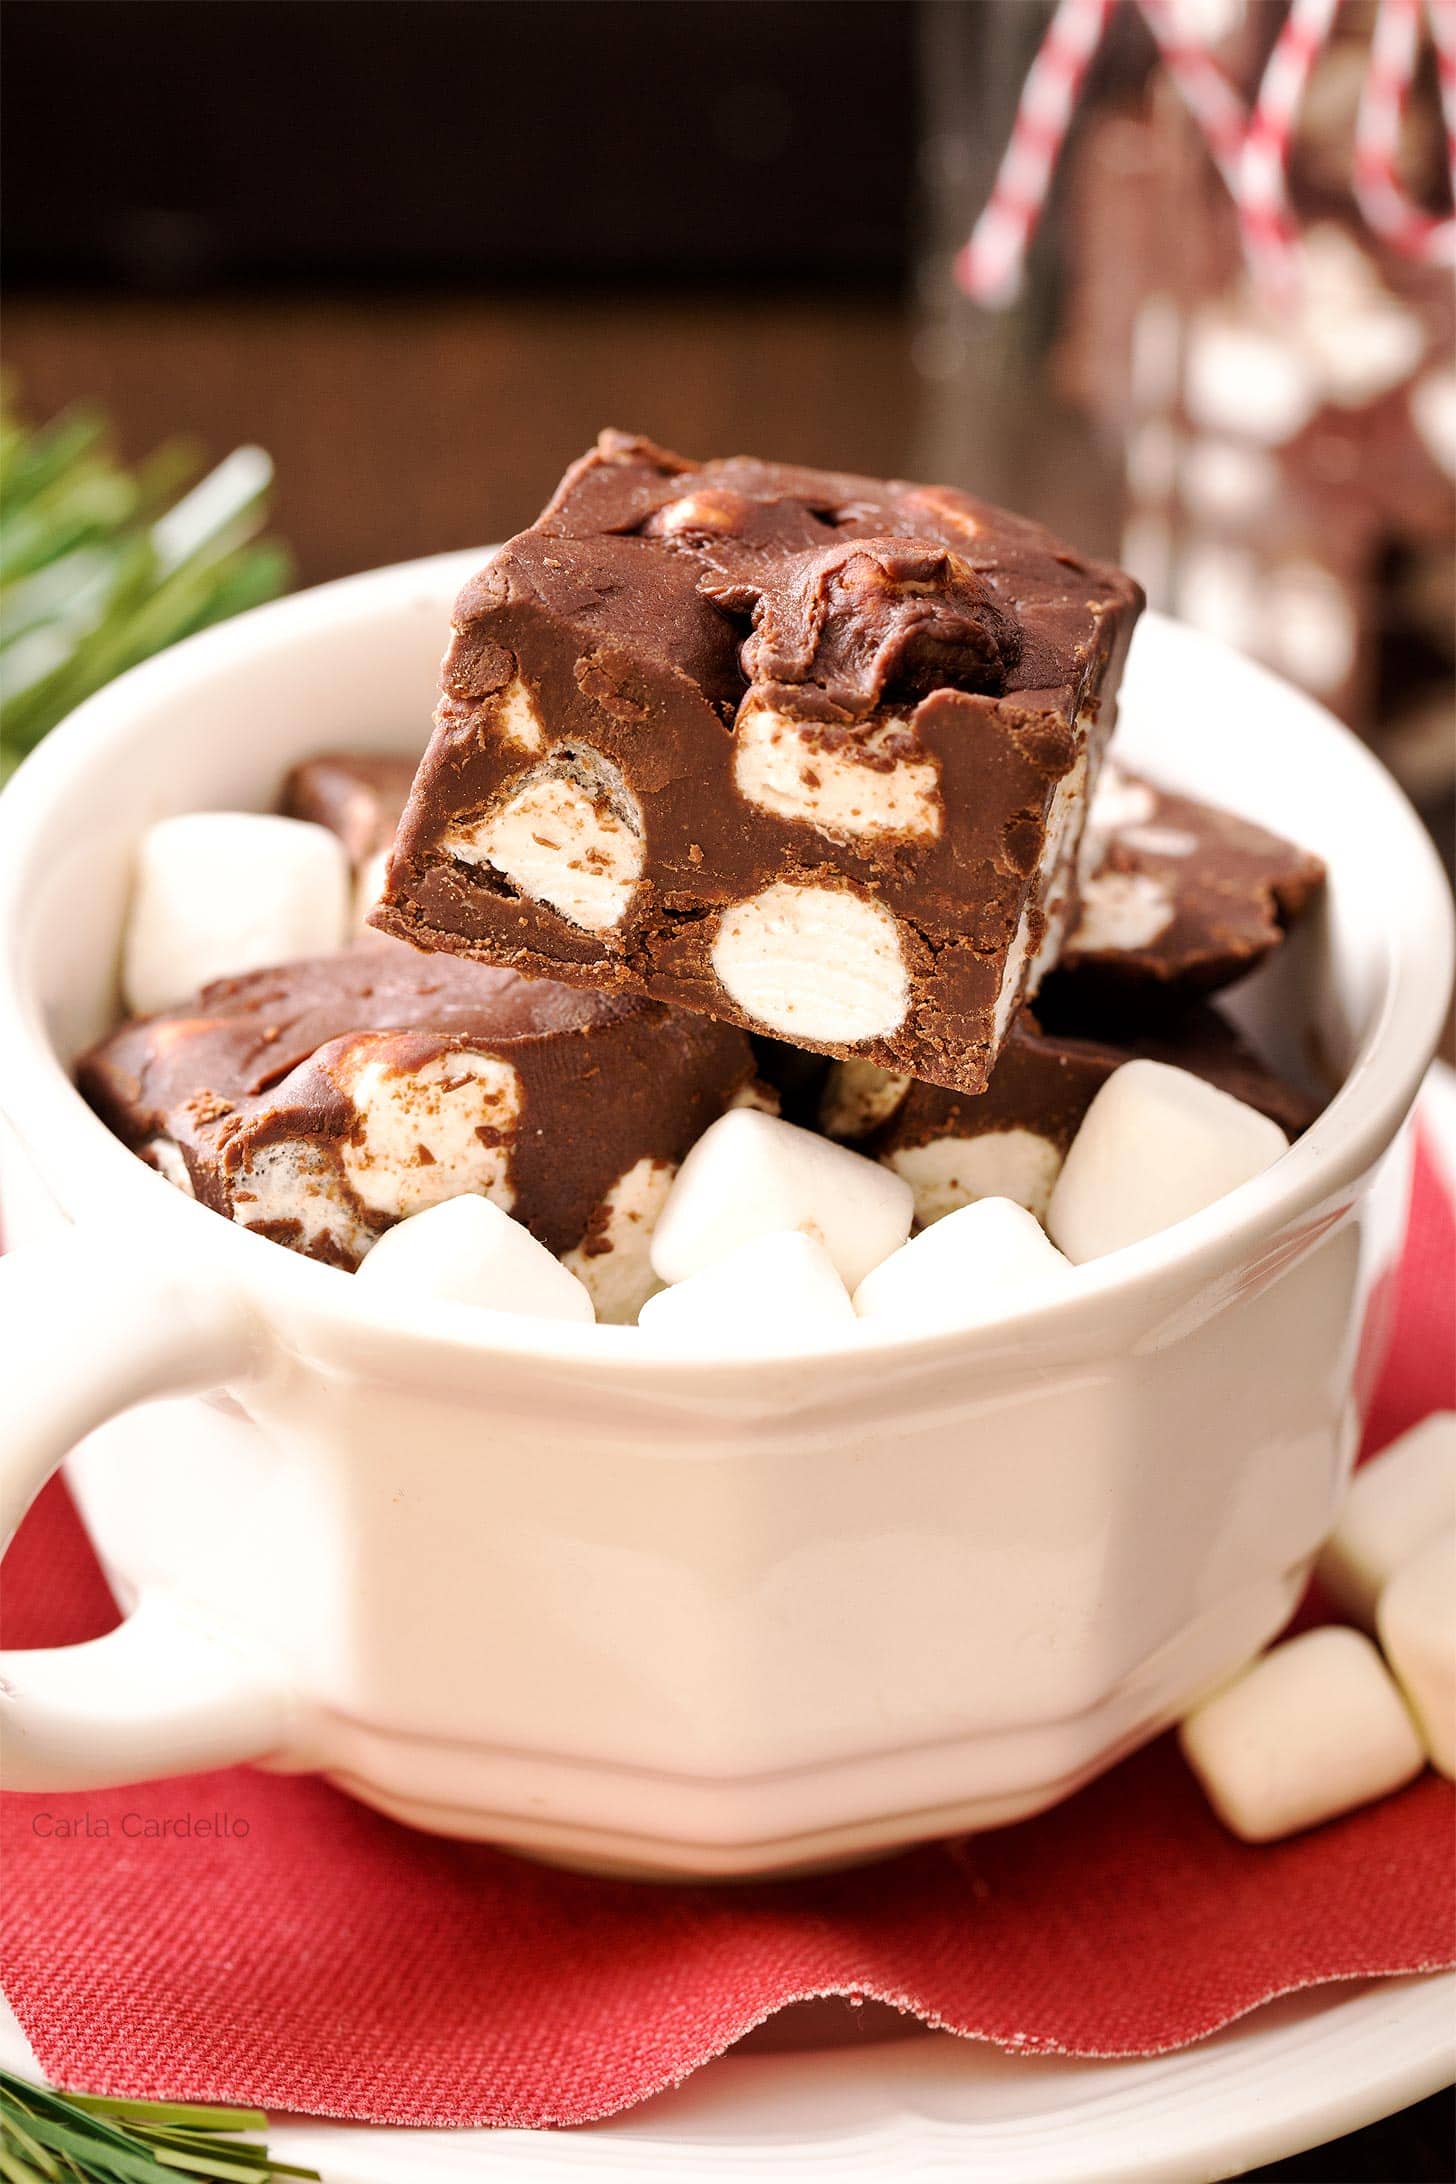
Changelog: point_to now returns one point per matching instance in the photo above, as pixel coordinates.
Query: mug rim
(69, 1144)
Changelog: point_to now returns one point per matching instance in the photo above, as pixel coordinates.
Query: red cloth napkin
(307, 1954)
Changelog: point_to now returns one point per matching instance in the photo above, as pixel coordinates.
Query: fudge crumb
(206, 1107)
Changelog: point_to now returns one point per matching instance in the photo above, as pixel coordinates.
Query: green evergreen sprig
(101, 566)
(81, 2138)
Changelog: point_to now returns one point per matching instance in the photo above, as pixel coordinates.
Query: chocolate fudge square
(1178, 899)
(359, 796)
(806, 752)
(321, 1102)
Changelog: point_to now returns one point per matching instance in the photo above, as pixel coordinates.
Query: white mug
(553, 1586)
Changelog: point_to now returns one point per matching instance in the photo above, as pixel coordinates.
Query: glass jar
(1278, 471)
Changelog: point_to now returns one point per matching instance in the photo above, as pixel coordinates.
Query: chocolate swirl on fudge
(321, 1102)
(841, 629)
(805, 751)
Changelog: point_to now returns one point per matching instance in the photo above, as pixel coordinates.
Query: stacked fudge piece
(810, 753)
(749, 785)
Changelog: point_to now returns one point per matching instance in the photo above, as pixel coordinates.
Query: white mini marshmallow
(1396, 1502)
(779, 1292)
(978, 1264)
(1313, 1729)
(1160, 841)
(217, 893)
(1056, 874)
(1152, 459)
(1117, 802)
(299, 1181)
(1362, 340)
(1146, 551)
(1416, 1620)
(1156, 1145)
(1155, 366)
(466, 1251)
(750, 1174)
(168, 1158)
(515, 717)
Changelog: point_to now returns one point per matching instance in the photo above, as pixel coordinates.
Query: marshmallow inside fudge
(807, 752)
(569, 835)
(323, 1102)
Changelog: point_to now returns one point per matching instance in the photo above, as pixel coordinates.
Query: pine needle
(101, 567)
(48, 2137)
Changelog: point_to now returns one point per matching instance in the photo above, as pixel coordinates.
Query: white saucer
(1289, 2076)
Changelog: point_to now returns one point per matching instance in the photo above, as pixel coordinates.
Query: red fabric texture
(307, 1954)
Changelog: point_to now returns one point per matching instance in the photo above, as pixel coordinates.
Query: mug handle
(84, 1334)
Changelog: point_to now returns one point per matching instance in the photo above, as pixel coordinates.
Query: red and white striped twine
(1394, 52)
(1250, 147)
(1261, 184)
(990, 265)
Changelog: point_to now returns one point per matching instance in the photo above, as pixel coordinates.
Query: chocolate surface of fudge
(1010, 1140)
(1179, 899)
(359, 796)
(321, 1102)
(807, 752)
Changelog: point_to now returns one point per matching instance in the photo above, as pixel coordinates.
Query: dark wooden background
(421, 250)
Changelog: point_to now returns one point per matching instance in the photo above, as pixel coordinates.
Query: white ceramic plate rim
(920, 2107)
(1290, 2075)
(107, 1181)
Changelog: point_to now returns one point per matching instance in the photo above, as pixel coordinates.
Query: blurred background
(421, 250)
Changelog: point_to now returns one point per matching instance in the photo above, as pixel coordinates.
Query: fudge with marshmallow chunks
(322, 1102)
(1178, 899)
(1010, 1140)
(806, 752)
